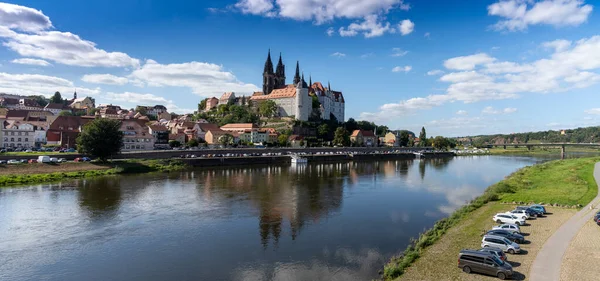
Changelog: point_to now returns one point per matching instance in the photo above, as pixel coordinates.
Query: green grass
(117, 167)
(562, 181)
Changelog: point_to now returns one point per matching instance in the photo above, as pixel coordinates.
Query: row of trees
(578, 135)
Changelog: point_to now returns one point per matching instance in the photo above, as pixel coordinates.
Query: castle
(296, 99)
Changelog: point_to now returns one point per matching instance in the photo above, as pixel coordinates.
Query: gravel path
(583, 255)
(547, 264)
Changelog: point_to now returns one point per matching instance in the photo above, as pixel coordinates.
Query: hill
(578, 135)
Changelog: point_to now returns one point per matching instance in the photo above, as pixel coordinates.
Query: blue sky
(478, 67)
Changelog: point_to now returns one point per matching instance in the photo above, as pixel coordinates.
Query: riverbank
(48, 172)
(565, 183)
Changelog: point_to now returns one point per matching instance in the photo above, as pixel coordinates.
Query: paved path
(547, 263)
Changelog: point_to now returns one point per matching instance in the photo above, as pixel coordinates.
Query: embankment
(432, 256)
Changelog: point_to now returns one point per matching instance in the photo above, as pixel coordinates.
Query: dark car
(496, 251)
(484, 262)
(530, 211)
(597, 218)
(515, 237)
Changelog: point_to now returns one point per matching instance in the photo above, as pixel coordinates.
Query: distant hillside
(579, 135)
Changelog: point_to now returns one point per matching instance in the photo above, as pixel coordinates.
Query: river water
(306, 222)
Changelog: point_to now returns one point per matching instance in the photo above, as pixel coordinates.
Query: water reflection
(338, 221)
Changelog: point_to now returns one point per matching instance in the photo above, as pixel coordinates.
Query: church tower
(297, 76)
(269, 77)
(280, 74)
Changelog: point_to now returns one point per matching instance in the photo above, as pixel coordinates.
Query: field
(565, 182)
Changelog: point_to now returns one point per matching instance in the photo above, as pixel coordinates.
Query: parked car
(500, 242)
(508, 218)
(539, 208)
(31, 161)
(54, 160)
(531, 212)
(483, 262)
(62, 160)
(508, 227)
(496, 252)
(24, 161)
(70, 150)
(519, 214)
(86, 159)
(3, 161)
(13, 161)
(515, 237)
(43, 159)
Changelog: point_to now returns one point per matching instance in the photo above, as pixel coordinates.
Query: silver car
(513, 228)
(501, 243)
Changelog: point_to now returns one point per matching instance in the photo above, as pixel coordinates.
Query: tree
(243, 101)
(351, 125)
(193, 143)
(226, 139)
(341, 137)
(267, 108)
(411, 142)
(403, 139)
(283, 139)
(65, 113)
(101, 138)
(440, 142)
(174, 143)
(141, 109)
(56, 98)
(41, 100)
(202, 105)
(323, 130)
(423, 137)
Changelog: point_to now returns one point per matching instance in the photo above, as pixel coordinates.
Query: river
(338, 221)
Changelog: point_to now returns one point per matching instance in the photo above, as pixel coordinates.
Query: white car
(513, 228)
(493, 241)
(519, 213)
(508, 218)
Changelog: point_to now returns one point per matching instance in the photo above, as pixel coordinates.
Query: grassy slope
(71, 171)
(563, 181)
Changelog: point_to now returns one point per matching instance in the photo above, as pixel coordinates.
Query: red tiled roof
(207, 127)
(286, 92)
(239, 126)
(55, 106)
(158, 128)
(257, 94)
(226, 96)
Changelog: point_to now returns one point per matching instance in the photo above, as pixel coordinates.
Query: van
(43, 159)
(485, 263)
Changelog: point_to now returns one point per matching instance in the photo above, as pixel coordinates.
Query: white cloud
(519, 14)
(406, 27)
(465, 76)
(133, 99)
(104, 79)
(31, 62)
(557, 45)
(468, 62)
(61, 47)
(370, 27)
(367, 55)
(402, 68)
(398, 52)
(391, 111)
(205, 79)
(427, 35)
(338, 55)
(435, 72)
(462, 112)
(593, 111)
(491, 110)
(23, 18)
(36, 84)
(256, 7)
(330, 31)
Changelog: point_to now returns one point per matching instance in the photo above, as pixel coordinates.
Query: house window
(26, 139)
(19, 133)
(12, 139)
(19, 139)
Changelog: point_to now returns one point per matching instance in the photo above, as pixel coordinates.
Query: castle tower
(280, 74)
(297, 76)
(75, 95)
(268, 76)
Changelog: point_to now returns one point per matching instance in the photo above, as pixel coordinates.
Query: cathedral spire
(328, 86)
(309, 80)
(280, 70)
(297, 76)
(268, 64)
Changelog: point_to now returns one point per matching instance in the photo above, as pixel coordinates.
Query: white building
(292, 101)
(332, 102)
(18, 134)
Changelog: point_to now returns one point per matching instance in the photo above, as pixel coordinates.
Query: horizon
(478, 68)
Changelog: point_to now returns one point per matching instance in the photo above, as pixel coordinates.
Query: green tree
(267, 108)
(423, 137)
(226, 139)
(141, 109)
(56, 98)
(174, 143)
(65, 113)
(202, 105)
(440, 142)
(411, 142)
(101, 138)
(323, 130)
(283, 139)
(351, 125)
(341, 137)
(403, 138)
(193, 143)
(302, 143)
(41, 100)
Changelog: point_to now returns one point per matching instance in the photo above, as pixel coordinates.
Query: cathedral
(295, 100)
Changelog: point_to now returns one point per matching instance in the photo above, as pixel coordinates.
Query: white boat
(298, 160)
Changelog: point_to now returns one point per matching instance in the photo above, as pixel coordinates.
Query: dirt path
(583, 255)
(547, 264)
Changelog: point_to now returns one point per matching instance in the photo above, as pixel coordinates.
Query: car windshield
(507, 241)
(497, 260)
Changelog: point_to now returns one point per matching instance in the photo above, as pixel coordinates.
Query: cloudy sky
(481, 66)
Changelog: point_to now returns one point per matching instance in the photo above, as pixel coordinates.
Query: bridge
(561, 145)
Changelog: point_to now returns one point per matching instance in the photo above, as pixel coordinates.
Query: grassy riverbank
(564, 182)
(42, 173)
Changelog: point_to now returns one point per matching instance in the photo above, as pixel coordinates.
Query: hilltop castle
(296, 99)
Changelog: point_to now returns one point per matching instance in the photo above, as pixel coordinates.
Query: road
(547, 263)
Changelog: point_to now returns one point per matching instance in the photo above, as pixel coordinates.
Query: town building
(155, 111)
(291, 100)
(18, 134)
(109, 111)
(81, 103)
(160, 134)
(177, 137)
(363, 138)
(296, 141)
(212, 136)
(332, 102)
(391, 139)
(136, 135)
(239, 127)
(19, 103)
(227, 98)
(64, 130)
(203, 128)
(211, 103)
(56, 108)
